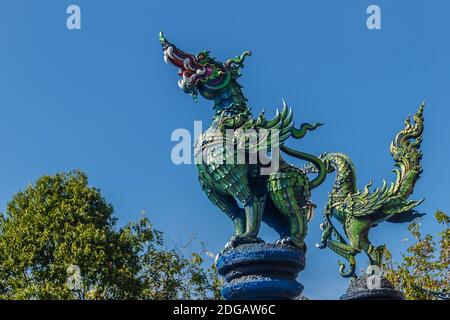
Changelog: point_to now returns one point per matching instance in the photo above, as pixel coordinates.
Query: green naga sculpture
(360, 210)
(280, 198)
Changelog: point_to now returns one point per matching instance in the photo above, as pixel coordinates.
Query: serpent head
(201, 73)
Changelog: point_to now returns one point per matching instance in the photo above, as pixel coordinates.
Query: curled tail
(283, 122)
(320, 166)
(405, 149)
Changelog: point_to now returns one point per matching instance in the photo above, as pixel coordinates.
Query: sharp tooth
(201, 71)
(182, 83)
(169, 51)
(166, 58)
(186, 63)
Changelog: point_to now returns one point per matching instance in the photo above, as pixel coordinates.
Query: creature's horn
(162, 39)
(238, 60)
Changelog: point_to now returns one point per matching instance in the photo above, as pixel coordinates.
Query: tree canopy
(425, 269)
(59, 240)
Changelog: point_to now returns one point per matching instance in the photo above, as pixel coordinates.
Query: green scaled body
(360, 210)
(231, 155)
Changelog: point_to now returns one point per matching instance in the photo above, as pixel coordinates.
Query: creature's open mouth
(189, 70)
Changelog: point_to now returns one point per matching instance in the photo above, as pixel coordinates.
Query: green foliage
(61, 222)
(427, 265)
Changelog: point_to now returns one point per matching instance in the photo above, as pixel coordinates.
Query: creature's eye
(201, 57)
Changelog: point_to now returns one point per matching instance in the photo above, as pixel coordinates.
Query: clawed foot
(241, 239)
(291, 242)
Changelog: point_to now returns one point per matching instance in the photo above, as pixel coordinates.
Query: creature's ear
(238, 61)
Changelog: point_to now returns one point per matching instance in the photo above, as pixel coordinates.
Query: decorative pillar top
(261, 271)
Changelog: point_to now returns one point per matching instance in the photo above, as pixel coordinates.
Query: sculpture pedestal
(261, 271)
(358, 290)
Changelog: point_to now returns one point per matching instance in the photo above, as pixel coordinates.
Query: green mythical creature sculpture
(360, 210)
(281, 198)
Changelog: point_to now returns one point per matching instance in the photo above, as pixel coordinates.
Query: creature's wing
(381, 200)
(273, 133)
(397, 205)
(366, 203)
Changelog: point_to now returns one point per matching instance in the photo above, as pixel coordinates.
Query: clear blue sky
(101, 99)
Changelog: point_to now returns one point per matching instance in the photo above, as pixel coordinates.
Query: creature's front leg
(254, 213)
(326, 233)
(238, 218)
(254, 209)
(358, 233)
(227, 204)
(226, 184)
(287, 192)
